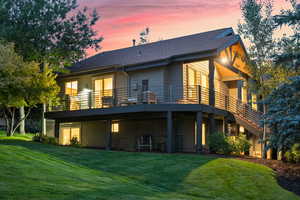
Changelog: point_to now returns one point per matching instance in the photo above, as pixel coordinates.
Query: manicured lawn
(30, 170)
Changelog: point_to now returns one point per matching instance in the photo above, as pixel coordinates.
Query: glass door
(103, 92)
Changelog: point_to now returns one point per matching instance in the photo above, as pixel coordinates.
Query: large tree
(22, 85)
(54, 33)
(258, 28)
(289, 45)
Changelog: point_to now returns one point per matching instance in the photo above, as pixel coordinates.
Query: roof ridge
(156, 42)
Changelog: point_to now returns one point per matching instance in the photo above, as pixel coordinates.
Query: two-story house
(163, 96)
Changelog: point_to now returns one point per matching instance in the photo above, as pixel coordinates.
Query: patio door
(71, 89)
(103, 92)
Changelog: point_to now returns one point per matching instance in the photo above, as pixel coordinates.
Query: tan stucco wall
(93, 134)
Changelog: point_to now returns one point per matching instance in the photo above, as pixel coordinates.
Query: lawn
(32, 170)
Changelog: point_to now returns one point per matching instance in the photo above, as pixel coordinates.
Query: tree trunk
(44, 120)
(22, 122)
(264, 150)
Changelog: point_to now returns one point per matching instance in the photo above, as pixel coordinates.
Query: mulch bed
(288, 175)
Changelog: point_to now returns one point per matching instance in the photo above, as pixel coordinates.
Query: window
(191, 82)
(103, 88)
(145, 85)
(115, 127)
(67, 133)
(71, 88)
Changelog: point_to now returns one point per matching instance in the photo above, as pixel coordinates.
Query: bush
(239, 144)
(218, 143)
(293, 156)
(45, 139)
(74, 142)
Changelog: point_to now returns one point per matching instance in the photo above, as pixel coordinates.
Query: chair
(144, 143)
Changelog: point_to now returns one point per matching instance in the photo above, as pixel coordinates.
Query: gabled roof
(159, 51)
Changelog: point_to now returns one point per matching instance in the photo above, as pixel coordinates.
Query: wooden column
(170, 139)
(199, 121)
(108, 135)
(225, 126)
(212, 124)
(211, 83)
(56, 129)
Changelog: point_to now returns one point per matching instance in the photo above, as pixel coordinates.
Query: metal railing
(87, 99)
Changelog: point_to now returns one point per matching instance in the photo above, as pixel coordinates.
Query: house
(163, 96)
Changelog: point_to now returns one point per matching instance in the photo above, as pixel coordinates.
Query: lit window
(115, 128)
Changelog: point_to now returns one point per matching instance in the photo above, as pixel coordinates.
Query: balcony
(121, 97)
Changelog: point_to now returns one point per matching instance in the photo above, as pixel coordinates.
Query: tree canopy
(56, 32)
(22, 84)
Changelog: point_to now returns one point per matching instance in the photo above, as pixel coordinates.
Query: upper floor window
(71, 88)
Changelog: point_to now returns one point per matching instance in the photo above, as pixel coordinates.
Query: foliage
(74, 142)
(283, 116)
(53, 32)
(289, 46)
(221, 144)
(22, 84)
(293, 155)
(144, 36)
(239, 144)
(44, 139)
(55, 172)
(218, 143)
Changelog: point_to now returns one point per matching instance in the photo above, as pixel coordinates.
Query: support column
(199, 121)
(225, 126)
(56, 129)
(170, 137)
(108, 135)
(211, 83)
(212, 124)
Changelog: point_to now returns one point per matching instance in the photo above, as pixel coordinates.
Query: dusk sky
(123, 20)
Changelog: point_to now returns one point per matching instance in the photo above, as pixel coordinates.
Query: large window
(71, 89)
(103, 91)
(67, 134)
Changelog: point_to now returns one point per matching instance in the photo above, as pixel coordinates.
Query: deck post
(212, 124)
(170, 136)
(108, 135)
(199, 121)
(211, 83)
(56, 129)
(199, 93)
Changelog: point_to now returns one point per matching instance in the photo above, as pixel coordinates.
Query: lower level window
(67, 134)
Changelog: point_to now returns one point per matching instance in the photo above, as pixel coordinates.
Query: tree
(289, 46)
(144, 36)
(283, 116)
(258, 29)
(22, 85)
(54, 33)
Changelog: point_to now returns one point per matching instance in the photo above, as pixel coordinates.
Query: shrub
(293, 155)
(218, 143)
(45, 139)
(74, 142)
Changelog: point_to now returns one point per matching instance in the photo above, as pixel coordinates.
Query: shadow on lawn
(163, 172)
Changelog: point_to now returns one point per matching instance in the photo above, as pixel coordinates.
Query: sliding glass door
(103, 92)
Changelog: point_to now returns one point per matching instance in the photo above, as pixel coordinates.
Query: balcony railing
(87, 99)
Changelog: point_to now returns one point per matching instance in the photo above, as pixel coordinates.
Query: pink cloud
(121, 21)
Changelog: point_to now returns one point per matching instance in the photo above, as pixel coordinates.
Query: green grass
(30, 170)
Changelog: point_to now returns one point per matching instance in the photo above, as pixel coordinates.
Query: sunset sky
(123, 20)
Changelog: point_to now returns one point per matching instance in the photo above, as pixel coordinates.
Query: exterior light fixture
(224, 60)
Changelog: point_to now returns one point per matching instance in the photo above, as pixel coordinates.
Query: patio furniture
(144, 143)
